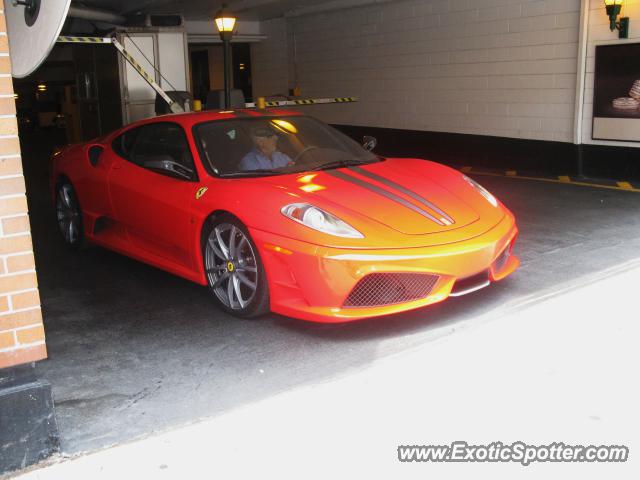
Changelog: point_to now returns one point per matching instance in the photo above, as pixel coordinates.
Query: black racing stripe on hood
(384, 193)
(400, 188)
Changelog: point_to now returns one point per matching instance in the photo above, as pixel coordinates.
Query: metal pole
(227, 74)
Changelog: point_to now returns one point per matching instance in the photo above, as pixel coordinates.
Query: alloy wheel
(231, 266)
(68, 214)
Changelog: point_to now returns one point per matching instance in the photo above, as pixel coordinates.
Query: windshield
(275, 145)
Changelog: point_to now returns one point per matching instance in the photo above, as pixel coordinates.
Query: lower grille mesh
(378, 289)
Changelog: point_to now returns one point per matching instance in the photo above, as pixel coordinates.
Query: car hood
(407, 196)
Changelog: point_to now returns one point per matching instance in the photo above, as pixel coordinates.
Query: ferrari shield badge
(201, 191)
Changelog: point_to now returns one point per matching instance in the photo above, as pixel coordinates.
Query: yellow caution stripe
(305, 101)
(70, 39)
(565, 179)
(137, 66)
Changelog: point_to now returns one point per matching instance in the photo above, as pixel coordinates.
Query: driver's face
(267, 145)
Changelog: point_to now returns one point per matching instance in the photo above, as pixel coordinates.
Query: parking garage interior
(133, 351)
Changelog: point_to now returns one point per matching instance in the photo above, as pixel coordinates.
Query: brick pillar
(28, 428)
(21, 329)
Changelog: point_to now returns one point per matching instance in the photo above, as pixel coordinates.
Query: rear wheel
(69, 215)
(233, 267)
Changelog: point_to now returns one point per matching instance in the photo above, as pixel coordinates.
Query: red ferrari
(277, 211)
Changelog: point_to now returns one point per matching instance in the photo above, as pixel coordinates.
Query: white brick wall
(270, 60)
(489, 67)
(600, 34)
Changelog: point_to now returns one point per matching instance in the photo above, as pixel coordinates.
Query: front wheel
(233, 267)
(69, 215)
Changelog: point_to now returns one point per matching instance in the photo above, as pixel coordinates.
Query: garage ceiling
(198, 9)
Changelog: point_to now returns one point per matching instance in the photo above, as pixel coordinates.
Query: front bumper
(312, 282)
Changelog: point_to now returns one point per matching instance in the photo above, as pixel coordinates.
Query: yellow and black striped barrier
(68, 39)
(137, 66)
(564, 179)
(306, 101)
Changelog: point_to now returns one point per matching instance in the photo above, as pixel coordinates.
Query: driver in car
(265, 154)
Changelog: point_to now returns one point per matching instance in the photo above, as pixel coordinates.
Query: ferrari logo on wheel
(230, 267)
(201, 191)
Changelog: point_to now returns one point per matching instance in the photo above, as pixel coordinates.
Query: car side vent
(99, 225)
(94, 154)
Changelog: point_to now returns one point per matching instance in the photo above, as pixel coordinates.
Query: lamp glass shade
(225, 22)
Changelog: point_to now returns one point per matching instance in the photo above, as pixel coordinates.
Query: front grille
(378, 289)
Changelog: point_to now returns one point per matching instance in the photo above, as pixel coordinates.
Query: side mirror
(369, 142)
(169, 167)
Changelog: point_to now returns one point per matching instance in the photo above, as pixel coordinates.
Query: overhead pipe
(95, 15)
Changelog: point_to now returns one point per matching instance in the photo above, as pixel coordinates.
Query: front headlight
(482, 191)
(318, 219)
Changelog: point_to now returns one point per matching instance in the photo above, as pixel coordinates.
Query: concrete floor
(571, 386)
(134, 350)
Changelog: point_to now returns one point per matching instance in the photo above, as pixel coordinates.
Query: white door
(139, 97)
(173, 64)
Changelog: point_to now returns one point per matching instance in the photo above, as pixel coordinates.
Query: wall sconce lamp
(614, 7)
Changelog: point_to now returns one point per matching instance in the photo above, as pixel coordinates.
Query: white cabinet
(163, 55)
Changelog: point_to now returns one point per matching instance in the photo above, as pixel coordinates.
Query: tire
(69, 215)
(233, 268)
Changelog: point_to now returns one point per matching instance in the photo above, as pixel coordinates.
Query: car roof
(189, 119)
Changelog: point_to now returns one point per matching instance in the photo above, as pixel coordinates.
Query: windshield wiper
(254, 173)
(339, 164)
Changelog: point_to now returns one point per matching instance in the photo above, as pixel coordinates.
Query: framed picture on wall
(616, 94)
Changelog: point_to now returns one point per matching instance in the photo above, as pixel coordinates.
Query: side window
(161, 147)
(123, 144)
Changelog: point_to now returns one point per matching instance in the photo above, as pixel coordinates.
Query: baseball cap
(263, 131)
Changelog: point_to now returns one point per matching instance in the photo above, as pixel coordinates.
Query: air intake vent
(501, 261)
(379, 289)
(165, 21)
(158, 21)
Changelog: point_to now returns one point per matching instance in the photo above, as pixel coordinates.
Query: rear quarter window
(123, 144)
